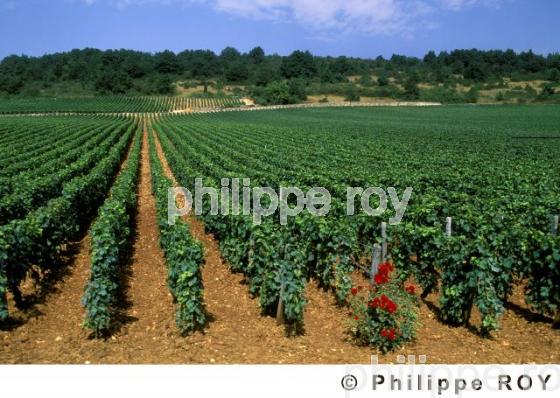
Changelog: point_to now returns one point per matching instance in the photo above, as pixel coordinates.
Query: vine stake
(375, 261)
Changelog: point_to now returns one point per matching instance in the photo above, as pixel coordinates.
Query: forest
(272, 78)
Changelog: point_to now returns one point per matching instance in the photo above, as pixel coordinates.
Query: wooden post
(280, 309)
(555, 225)
(448, 223)
(375, 261)
(384, 243)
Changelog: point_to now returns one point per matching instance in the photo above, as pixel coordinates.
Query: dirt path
(149, 323)
(52, 328)
(237, 332)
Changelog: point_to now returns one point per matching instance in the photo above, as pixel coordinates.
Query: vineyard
(117, 104)
(476, 257)
(497, 239)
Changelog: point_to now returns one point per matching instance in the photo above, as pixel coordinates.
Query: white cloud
(367, 16)
(457, 5)
(375, 17)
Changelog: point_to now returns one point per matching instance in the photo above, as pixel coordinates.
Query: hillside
(459, 76)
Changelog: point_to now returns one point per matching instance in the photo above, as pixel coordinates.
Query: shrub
(382, 81)
(547, 91)
(411, 88)
(471, 96)
(352, 95)
(385, 314)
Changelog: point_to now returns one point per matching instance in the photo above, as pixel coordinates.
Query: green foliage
(411, 89)
(110, 237)
(543, 271)
(37, 238)
(547, 92)
(90, 71)
(352, 95)
(443, 94)
(236, 72)
(476, 72)
(554, 75)
(382, 81)
(297, 89)
(264, 75)
(501, 227)
(281, 92)
(438, 151)
(111, 82)
(273, 259)
(118, 104)
(257, 56)
(29, 189)
(166, 62)
(10, 84)
(184, 255)
(298, 64)
(471, 96)
(163, 85)
(366, 80)
(278, 93)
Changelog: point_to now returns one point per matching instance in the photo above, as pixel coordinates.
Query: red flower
(389, 334)
(356, 318)
(383, 302)
(383, 271)
(380, 278)
(410, 289)
(385, 268)
(354, 291)
(374, 303)
(391, 307)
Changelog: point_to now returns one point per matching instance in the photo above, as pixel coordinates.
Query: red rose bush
(384, 315)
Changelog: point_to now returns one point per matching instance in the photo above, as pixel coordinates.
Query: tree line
(268, 78)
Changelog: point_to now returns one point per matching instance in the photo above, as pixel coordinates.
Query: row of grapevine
(324, 244)
(183, 254)
(193, 103)
(43, 160)
(272, 258)
(111, 234)
(115, 104)
(28, 191)
(36, 239)
(28, 137)
(479, 264)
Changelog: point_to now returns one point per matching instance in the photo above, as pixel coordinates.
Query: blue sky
(364, 28)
